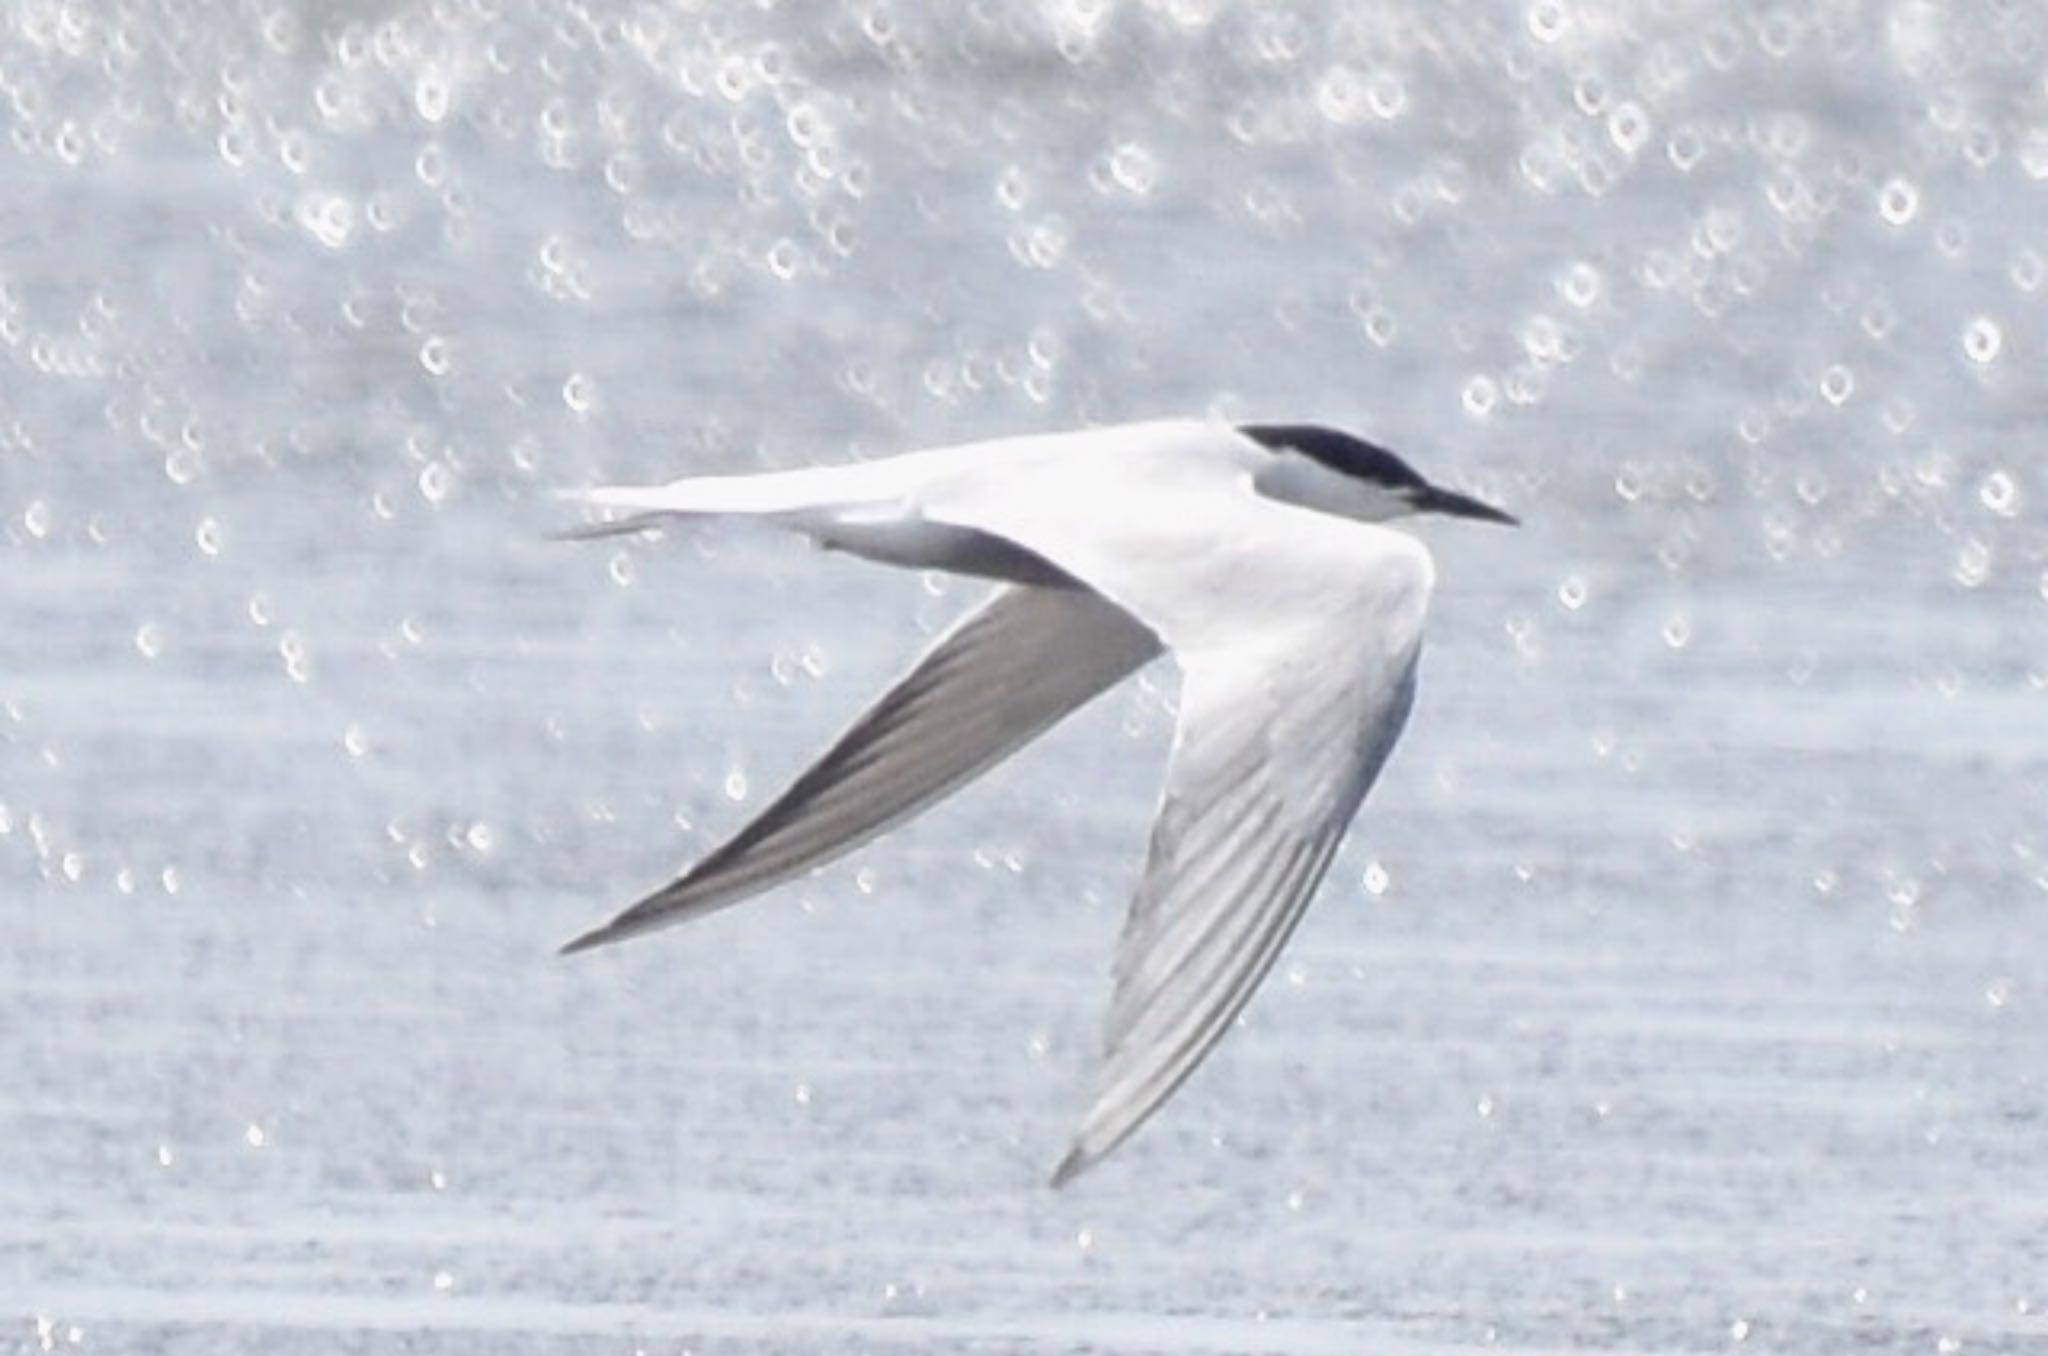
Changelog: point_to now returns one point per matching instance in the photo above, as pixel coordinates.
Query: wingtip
(1073, 1165)
(596, 937)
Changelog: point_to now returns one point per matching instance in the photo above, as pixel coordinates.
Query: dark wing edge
(1002, 675)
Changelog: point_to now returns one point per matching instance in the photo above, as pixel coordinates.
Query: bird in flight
(1258, 556)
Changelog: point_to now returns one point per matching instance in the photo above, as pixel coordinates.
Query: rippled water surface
(1683, 987)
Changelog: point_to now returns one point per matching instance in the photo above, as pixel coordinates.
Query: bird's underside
(1296, 634)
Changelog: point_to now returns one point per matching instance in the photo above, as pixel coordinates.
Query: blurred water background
(1683, 987)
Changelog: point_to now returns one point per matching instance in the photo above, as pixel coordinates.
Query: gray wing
(1003, 674)
(1269, 766)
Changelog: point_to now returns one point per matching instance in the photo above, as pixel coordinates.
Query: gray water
(1681, 989)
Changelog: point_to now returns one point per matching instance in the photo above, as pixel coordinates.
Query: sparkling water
(1682, 988)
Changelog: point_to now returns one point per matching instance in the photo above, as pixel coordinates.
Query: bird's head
(1323, 469)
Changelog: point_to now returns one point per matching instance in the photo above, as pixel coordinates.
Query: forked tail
(796, 493)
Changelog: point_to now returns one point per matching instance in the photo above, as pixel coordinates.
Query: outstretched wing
(1002, 675)
(1297, 635)
(1274, 752)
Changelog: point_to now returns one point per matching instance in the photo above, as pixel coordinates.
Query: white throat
(1293, 478)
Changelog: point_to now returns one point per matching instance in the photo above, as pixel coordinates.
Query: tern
(1257, 556)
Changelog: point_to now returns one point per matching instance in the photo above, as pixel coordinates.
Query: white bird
(1254, 555)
